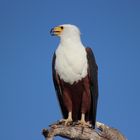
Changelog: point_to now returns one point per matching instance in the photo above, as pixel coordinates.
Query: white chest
(71, 63)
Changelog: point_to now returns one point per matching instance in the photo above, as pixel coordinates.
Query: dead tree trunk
(75, 132)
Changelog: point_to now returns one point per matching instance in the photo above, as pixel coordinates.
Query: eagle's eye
(62, 27)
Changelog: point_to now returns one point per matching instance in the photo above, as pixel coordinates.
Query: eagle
(75, 77)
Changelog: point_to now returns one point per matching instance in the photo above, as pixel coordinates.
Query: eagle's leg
(67, 121)
(86, 101)
(82, 122)
(68, 104)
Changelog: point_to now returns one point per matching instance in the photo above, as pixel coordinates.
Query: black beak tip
(52, 31)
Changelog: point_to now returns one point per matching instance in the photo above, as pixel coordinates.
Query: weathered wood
(75, 132)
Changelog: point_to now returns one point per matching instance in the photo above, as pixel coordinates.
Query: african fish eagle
(75, 76)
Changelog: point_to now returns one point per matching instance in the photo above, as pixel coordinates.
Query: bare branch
(75, 132)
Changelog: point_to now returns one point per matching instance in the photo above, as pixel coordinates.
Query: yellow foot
(66, 121)
(83, 123)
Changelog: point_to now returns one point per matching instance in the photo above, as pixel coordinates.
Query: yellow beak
(56, 31)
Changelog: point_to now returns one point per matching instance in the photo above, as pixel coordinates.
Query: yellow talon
(83, 123)
(67, 121)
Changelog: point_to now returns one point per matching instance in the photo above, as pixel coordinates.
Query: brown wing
(58, 88)
(93, 77)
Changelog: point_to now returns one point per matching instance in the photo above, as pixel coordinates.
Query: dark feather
(93, 77)
(58, 88)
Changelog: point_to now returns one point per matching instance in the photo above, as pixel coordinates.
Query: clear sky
(27, 98)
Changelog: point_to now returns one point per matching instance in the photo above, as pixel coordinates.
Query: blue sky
(27, 97)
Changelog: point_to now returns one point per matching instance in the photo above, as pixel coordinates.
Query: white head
(66, 32)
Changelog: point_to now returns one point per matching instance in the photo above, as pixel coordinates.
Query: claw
(67, 121)
(83, 123)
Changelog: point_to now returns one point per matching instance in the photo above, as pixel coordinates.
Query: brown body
(80, 97)
(77, 98)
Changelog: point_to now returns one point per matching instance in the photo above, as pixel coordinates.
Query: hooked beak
(52, 32)
(56, 31)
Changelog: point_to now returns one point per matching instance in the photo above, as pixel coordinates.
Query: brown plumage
(80, 97)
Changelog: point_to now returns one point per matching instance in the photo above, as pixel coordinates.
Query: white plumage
(71, 60)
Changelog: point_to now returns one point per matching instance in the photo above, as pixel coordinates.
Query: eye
(62, 27)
